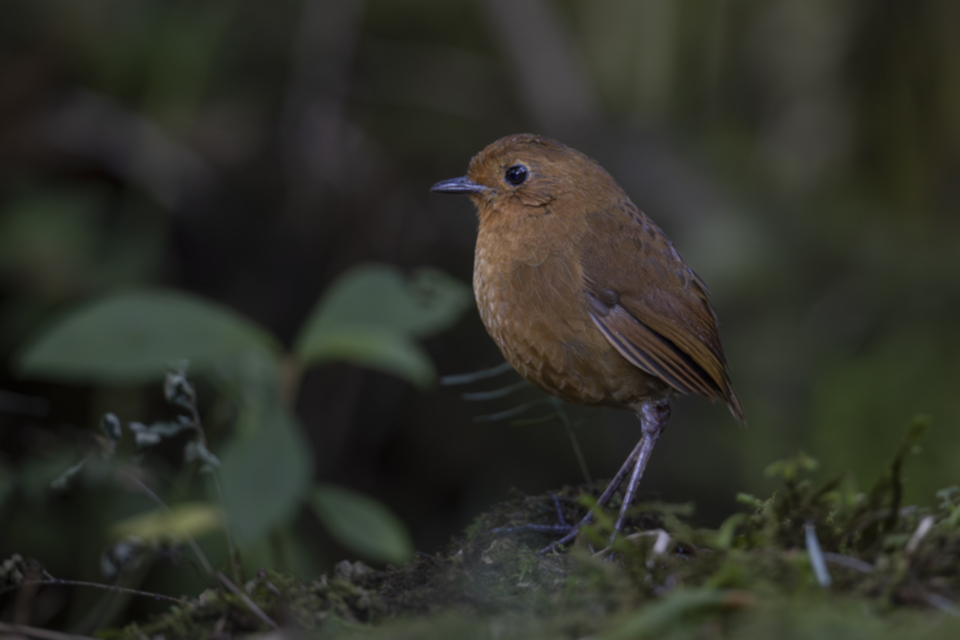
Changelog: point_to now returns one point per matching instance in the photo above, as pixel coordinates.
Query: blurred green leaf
(372, 315)
(191, 519)
(380, 296)
(362, 524)
(48, 241)
(134, 337)
(381, 349)
(265, 475)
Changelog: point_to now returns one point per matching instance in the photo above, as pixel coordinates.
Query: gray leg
(602, 500)
(653, 418)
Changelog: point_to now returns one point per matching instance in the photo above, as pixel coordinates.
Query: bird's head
(527, 174)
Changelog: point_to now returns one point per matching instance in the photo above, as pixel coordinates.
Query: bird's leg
(571, 532)
(560, 518)
(653, 418)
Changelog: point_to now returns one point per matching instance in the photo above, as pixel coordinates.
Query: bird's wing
(651, 306)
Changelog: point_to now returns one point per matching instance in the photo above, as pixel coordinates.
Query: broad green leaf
(380, 296)
(252, 383)
(362, 524)
(386, 350)
(372, 315)
(192, 519)
(132, 338)
(265, 475)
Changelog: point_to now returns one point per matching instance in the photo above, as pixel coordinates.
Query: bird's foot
(536, 528)
(569, 536)
(563, 528)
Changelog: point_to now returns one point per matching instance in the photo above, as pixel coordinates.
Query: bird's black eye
(516, 174)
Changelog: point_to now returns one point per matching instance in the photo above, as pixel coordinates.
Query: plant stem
(159, 501)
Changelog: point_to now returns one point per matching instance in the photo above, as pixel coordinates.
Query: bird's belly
(538, 316)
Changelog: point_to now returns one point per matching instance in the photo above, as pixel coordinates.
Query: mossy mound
(808, 562)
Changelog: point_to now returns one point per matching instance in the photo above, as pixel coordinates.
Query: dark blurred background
(804, 156)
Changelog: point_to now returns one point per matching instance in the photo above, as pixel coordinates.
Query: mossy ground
(894, 572)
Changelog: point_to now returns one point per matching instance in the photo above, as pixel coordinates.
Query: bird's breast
(531, 297)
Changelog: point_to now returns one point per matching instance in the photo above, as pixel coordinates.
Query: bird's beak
(458, 186)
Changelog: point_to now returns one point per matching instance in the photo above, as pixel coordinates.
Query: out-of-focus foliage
(362, 524)
(804, 155)
(367, 317)
(136, 337)
(372, 317)
(884, 569)
(265, 475)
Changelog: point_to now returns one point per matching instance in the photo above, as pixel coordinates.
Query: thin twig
(568, 426)
(817, 561)
(943, 603)
(159, 501)
(480, 396)
(509, 413)
(846, 561)
(198, 426)
(24, 605)
(257, 611)
(467, 378)
(36, 632)
(51, 581)
(926, 524)
(660, 545)
(234, 565)
(531, 422)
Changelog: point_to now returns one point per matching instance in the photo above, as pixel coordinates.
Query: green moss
(750, 578)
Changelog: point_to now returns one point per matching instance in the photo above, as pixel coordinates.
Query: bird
(584, 294)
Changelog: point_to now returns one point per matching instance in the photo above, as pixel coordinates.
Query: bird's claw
(563, 528)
